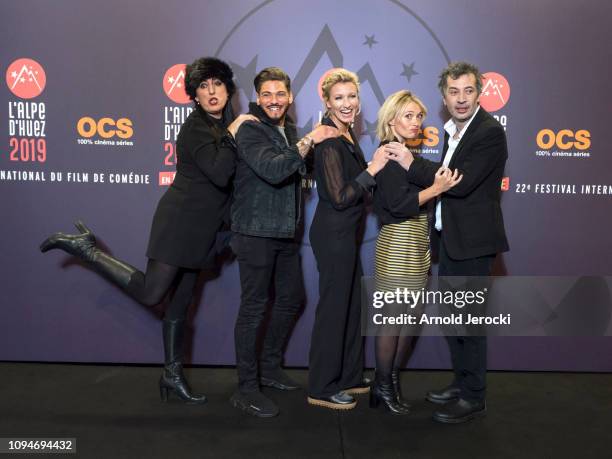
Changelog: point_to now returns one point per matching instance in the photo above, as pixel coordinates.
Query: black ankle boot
(172, 379)
(83, 246)
(383, 394)
(395, 379)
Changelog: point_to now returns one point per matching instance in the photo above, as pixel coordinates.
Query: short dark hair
(208, 67)
(457, 69)
(271, 74)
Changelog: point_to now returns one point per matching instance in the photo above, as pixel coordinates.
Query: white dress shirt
(453, 140)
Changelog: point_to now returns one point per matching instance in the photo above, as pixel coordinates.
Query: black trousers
(264, 262)
(468, 353)
(336, 346)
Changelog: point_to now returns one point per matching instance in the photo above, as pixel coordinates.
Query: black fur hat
(208, 67)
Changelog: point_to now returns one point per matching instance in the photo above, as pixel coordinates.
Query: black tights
(151, 287)
(392, 352)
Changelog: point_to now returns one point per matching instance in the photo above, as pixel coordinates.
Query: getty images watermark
(487, 306)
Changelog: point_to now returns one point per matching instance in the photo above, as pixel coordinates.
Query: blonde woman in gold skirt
(402, 248)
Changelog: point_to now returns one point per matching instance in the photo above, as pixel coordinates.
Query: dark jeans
(468, 353)
(263, 261)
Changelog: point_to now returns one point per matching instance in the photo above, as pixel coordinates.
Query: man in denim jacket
(266, 212)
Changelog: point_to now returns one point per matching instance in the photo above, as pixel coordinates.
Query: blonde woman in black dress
(402, 248)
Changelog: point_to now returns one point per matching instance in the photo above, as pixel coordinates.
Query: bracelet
(307, 141)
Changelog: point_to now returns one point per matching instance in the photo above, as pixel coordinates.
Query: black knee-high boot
(83, 246)
(172, 379)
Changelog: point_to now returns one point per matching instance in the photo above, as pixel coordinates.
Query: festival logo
(26, 78)
(364, 38)
(174, 84)
(174, 117)
(495, 91)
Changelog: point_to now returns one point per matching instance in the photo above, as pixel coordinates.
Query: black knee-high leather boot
(83, 246)
(172, 379)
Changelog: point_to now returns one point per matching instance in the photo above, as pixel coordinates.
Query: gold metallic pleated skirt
(402, 257)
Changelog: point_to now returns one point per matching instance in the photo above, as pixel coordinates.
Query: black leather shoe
(362, 388)
(277, 379)
(339, 401)
(460, 411)
(442, 396)
(254, 403)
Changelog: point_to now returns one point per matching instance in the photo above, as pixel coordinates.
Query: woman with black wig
(186, 221)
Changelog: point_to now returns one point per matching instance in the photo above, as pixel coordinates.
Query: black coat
(267, 186)
(472, 221)
(195, 206)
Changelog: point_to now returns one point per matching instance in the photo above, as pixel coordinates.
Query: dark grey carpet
(115, 412)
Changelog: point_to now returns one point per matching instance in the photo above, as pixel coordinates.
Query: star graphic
(22, 80)
(180, 85)
(14, 74)
(370, 41)
(244, 77)
(171, 79)
(370, 130)
(409, 71)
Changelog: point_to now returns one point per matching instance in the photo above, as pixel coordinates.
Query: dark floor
(115, 412)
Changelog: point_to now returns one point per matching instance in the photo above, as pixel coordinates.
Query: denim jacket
(267, 184)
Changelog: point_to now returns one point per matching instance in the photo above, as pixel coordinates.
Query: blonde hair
(394, 106)
(335, 77)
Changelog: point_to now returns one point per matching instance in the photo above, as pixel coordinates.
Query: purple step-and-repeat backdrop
(93, 100)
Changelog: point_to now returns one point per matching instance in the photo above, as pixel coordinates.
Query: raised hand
(400, 153)
(233, 128)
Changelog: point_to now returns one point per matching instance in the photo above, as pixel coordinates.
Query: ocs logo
(495, 91)
(429, 137)
(564, 139)
(174, 84)
(105, 127)
(26, 78)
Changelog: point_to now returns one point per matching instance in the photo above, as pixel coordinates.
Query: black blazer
(472, 221)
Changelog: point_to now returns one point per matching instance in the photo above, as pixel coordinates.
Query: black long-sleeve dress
(195, 206)
(336, 349)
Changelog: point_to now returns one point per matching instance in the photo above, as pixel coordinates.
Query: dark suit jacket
(472, 221)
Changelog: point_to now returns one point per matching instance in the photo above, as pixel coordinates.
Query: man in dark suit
(468, 221)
